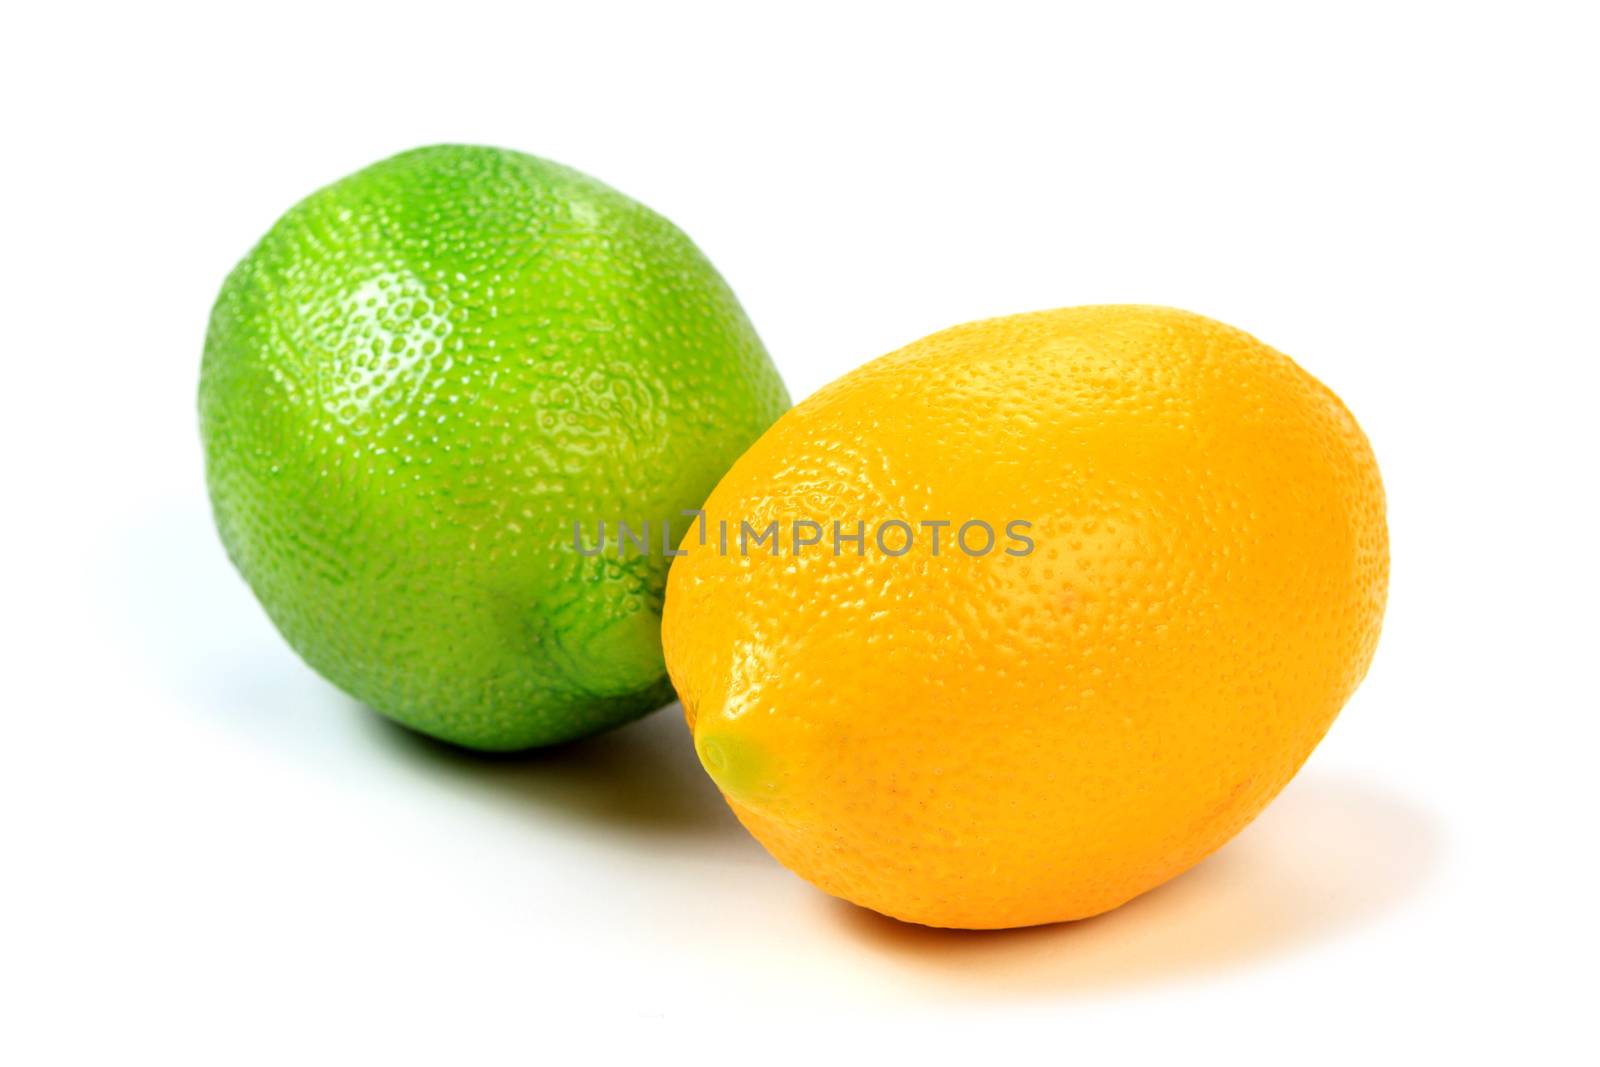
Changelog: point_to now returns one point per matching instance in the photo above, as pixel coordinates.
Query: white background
(212, 856)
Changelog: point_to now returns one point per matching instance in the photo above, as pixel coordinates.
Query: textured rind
(1005, 741)
(416, 384)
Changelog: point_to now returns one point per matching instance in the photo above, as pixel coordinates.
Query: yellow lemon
(1022, 620)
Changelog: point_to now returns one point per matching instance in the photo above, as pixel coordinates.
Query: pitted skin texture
(413, 388)
(1006, 740)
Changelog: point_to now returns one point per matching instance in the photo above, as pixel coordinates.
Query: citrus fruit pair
(1003, 628)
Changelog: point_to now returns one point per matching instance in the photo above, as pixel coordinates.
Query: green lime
(422, 393)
